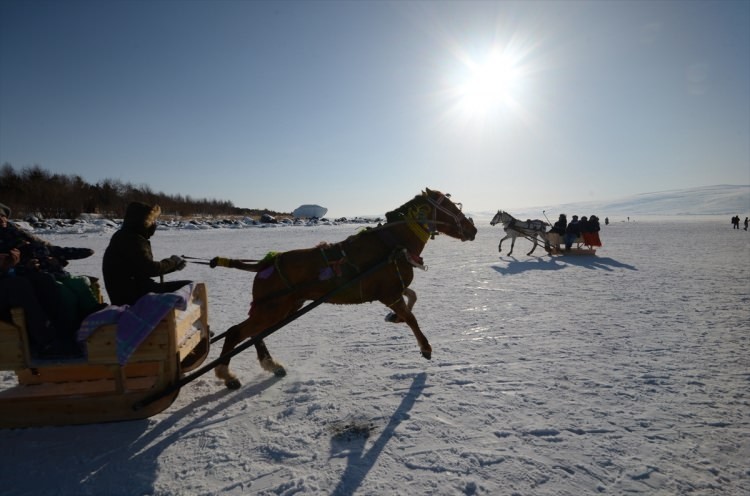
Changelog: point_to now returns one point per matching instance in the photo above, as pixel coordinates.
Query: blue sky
(357, 106)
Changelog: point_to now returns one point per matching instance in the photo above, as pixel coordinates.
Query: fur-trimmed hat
(5, 210)
(141, 215)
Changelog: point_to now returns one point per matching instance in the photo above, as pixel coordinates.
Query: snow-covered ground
(623, 373)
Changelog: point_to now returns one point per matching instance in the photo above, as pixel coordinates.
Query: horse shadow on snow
(352, 438)
(516, 266)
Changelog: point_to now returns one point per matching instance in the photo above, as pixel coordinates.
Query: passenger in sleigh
(60, 301)
(129, 264)
(590, 231)
(18, 292)
(572, 232)
(555, 234)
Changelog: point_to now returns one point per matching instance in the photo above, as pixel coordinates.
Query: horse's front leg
(404, 313)
(500, 246)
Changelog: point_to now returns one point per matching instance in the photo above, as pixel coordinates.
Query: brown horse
(388, 253)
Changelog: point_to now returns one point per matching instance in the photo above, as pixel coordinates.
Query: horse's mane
(397, 214)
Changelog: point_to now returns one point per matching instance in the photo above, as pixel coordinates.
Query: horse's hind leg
(404, 313)
(235, 335)
(266, 360)
(547, 246)
(533, 247)
(411, 299)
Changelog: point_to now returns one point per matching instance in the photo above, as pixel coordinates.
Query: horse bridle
(456, 218)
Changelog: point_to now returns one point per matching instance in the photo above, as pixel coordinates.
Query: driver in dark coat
(129, 265)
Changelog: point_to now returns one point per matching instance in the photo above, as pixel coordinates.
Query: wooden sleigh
(555, 245)
(97, 388)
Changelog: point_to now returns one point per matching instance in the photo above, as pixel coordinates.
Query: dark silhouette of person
(129, 264)
(61, 301)
(572, 232)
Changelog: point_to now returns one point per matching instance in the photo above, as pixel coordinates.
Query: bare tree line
(35, 191)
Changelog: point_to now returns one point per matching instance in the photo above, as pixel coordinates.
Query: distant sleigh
(585, 243)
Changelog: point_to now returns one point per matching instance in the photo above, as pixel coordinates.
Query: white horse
(529, 229)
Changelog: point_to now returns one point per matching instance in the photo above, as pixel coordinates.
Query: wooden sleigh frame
(557, 246)
(97, 388)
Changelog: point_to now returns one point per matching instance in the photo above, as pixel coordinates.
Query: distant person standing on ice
(129, 265)
(747, 221)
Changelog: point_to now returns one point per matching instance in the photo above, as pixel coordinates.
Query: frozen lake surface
(623, 373)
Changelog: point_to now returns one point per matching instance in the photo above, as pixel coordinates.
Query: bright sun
(489, 85)
(486, 88)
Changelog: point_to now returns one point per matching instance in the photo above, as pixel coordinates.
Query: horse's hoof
(393, 318)
(280, 372)
(233, 384)
(427, 355)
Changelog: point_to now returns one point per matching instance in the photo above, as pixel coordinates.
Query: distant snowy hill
(706, 200)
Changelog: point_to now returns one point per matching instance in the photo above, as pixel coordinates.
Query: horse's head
(447, 216)
(502, 217)
(497, 218)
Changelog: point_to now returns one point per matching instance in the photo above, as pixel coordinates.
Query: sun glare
(485, 89)
(488, 85)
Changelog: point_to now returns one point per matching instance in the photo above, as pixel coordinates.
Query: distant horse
(529, 229)
(284, 281)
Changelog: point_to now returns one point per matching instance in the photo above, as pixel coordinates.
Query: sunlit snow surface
(623, 373)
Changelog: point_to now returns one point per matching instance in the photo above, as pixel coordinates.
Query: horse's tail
(250, 266)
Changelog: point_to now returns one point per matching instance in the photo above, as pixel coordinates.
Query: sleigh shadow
(516, 266)
(598, 263)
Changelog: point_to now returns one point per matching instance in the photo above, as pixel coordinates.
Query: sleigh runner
(101, 387)
(555, 245)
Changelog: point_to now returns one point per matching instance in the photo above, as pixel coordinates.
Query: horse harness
(335, 262)
(335, 259)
